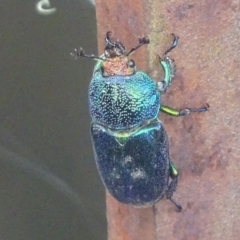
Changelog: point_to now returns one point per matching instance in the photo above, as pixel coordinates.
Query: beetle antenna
(142, 41)
(80, 53)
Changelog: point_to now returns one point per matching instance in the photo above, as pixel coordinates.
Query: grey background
(49, 185)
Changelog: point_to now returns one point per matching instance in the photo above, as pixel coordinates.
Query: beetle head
(116, 61)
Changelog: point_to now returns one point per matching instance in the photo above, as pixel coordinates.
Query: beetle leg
(168, 66)
(173, 173)
(174, 44)
(183, 112)
(179, 207)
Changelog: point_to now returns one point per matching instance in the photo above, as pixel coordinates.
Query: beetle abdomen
(137, 171)
(123, 102)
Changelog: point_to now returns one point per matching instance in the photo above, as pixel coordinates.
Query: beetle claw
(179, 207)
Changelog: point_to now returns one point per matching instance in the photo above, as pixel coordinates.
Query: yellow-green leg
(183, 112)
(173, 173)
(168, 67)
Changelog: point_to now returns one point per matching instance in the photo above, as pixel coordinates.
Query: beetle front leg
(173, 173)
(183, 112)
(168, 67)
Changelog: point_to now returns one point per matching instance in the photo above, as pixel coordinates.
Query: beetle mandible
(130, 144)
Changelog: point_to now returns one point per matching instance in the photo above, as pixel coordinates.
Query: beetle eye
(131, 64)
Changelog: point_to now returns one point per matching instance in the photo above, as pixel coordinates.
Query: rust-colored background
(204, 147)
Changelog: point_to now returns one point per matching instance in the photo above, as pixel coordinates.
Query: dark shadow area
(50, 188)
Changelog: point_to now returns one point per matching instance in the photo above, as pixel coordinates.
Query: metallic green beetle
(130, 143)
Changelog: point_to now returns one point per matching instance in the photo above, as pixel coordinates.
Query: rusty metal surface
(204, 147)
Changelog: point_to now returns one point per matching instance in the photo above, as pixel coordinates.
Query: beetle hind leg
(173, 185)
(171, 189)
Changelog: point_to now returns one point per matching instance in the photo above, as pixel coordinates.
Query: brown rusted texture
(205, 147)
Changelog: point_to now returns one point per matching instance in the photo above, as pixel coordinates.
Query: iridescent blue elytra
(130, 143)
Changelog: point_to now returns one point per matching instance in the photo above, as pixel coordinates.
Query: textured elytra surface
(136, 172)
(123, 102)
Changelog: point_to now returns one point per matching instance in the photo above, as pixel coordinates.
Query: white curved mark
(44, 7)
(92, 2)
(30, 166)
